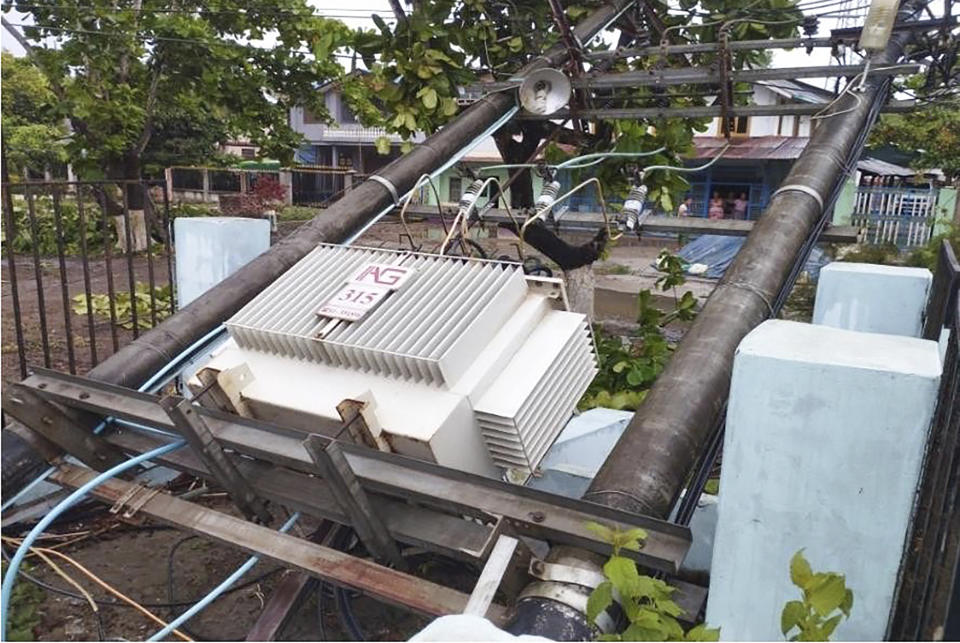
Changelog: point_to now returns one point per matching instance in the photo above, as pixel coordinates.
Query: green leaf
(635, 377)
(637, 632)
(793, 612)
(828, 595)
(703, 633)
(847, 603)
(429, 98)
(800, 572)
(600, 599)
(603, 532)
(622, 572)
(382, 143)
(830, 625)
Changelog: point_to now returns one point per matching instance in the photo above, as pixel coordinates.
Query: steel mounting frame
(418, 502)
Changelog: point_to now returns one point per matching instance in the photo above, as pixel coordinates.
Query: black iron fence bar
(38, 277)
(111, 291)
(85, 262)
(167, 236)
(64, 285)
(931, 553)
(10, 235)
(131, 277)
(943, 292)
(151, 282)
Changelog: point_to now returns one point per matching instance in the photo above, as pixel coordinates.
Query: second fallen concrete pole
(648, 466)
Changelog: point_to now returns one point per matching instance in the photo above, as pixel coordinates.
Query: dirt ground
(136, 561)
(56, 324)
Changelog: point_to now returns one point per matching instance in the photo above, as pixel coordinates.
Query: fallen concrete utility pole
(136, 362)
(647, 468)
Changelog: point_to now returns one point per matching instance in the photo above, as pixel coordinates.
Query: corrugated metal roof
(798, 91)
(754, 148)
(882, 168)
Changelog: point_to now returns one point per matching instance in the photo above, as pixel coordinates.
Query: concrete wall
(825, 436)
(872, 298)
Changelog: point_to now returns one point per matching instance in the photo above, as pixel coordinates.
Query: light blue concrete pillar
(210, 249)
(872, 298)
(825, 436)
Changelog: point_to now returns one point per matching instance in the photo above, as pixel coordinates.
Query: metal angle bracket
(56, 426)
(333, 466)
(204, 444)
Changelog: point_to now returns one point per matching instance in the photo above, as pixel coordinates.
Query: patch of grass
(613, 269)
(297, 213)
(24, 602)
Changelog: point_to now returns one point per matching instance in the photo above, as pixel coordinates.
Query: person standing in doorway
(684, 209)
(740, 206)
(715, 210)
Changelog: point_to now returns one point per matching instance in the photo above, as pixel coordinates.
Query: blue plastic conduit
(11, 576)
(151, 385)
(219, 589)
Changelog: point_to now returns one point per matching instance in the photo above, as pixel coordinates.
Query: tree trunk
(131, 213)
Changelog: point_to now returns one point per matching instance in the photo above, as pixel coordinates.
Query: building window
(456, 187)
(739, 126)
(248, 153)
(346, 114)
(309, 118)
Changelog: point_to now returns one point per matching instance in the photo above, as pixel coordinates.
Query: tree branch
(151, 103)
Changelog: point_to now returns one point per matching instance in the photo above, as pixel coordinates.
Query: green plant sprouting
(646, 602)
(826, 601)
(628, 369)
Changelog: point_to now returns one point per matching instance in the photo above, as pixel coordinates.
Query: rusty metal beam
(330, 565)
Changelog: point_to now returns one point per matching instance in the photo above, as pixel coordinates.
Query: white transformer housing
(467, 363)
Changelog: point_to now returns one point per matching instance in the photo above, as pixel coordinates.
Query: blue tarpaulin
(717, 252)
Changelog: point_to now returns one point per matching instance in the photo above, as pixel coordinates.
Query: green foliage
(193, 210)
(297, 213)
(418, 64)
(128, 71)
(928, 255)
(629, 368)
(884, 254)
(647, 602)
(45, 240)
(931, 133)
(100, 303)
(34, 134)
(826, 601)
(24, 602)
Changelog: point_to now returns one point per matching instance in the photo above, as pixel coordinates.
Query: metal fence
(84, 273)
(929, 573)
(904, 217)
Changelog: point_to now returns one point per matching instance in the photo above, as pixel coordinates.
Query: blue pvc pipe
(11, 576)
(146, 386)
(219, 589)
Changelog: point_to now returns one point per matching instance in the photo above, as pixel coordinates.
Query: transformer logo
(383, 275)
(364, 291)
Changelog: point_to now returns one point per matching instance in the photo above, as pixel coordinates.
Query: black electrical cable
(321, 587)
(342, 598)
